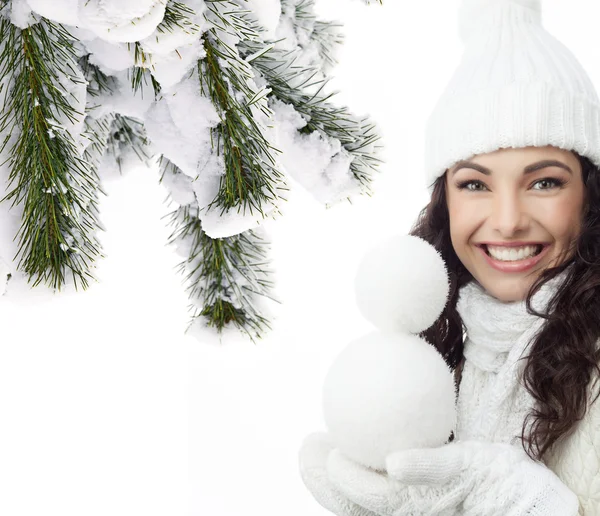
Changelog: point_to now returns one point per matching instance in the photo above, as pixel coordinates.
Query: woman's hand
(313, 459)
(470, 478)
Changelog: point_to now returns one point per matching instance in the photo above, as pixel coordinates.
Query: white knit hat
(516, 86)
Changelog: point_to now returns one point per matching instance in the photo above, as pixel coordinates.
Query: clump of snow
(60, 11)
(169, 69)
(165, 40)
(110, 57)
(179, 122)
(206, 182)
(121, 20)
(80, 34)
(179, 186)
(316, 161)
(21, 15)
(234, 220)
(266, 13)
(122, 99)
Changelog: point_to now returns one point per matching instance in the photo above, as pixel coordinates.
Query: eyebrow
(527, 170)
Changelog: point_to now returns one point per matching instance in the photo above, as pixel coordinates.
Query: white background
(97, 388)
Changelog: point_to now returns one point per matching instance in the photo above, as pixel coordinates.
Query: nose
(509, 217)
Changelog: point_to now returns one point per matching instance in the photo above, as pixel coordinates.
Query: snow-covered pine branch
(251, 179)
(230, 94)
(226, 278)
(326, 149)
(42, 118)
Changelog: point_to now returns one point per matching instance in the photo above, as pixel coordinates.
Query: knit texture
(467, 478)
(516, 86)
(492, 404)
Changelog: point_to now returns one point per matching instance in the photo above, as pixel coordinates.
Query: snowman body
(390, 390)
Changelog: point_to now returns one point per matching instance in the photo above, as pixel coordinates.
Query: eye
(557, 182)
(464, 184)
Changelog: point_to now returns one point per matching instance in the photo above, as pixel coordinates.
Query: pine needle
(224, 276)
(251, 177)
(55, 185)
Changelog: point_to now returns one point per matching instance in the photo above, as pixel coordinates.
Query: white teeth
(513, 254)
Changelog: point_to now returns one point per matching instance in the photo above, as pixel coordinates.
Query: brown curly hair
(565, 351)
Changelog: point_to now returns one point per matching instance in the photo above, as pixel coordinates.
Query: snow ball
(385, 393)
(402, 284)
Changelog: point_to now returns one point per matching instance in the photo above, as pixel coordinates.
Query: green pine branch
(250, 177)
(224, 276)
(291, 83)
(55, 185)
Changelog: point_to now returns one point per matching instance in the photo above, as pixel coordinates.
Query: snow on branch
(229, 96)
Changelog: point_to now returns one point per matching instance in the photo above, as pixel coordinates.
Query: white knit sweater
(492, 402)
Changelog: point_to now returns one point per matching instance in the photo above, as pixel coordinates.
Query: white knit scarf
(491, 403)
(493, 326)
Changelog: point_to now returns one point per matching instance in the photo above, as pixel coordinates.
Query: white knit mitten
(470, 478)
(545, 493)
(372, 490)
(313, 458)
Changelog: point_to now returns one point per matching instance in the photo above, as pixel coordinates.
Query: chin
(507, 291)
(510, 297)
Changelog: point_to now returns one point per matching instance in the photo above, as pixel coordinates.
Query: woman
(512, 159)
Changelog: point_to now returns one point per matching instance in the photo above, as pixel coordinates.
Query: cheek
(463, 222)
(564, 220)
(461, 230)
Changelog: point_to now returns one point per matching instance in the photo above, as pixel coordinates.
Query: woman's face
(494, 198)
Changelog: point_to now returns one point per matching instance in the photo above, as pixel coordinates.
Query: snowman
(391, 390)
